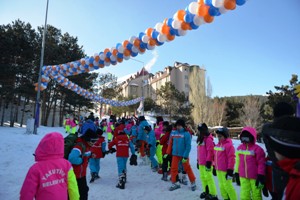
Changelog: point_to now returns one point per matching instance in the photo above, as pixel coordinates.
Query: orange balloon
(142, 50)
(101, 65)
(165, 29)
(126, 52)
(97, 58)
(91, 65)
(75, 73)
(180, 15)
(106, 50)
(208, 18)
(201, 2)
(230, 4)
(151, 42)
(170, 37)
(125, 43)
(120, 60)
(202, 10)
(185, 26)
(115, 52)
(136, 42)
(165, 21)
(107, 59)
(149, 31)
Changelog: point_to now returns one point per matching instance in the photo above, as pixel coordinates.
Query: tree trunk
(17, 109)
(3, 113)
(11, 117)
(23, 111)
(54, 112)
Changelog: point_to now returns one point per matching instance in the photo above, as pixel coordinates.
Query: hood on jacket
(252, 131)
(50, 147)
(226, 141)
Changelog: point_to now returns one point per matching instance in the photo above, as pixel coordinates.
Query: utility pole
(38, 96)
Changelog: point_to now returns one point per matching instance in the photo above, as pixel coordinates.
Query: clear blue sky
(245, 51)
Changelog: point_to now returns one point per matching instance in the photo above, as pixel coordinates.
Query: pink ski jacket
(109, 127)
(51, 177)
(158, 130)
(250, 158)
(205, 150)
(224, 155)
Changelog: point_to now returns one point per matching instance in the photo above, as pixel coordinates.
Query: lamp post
(38, 96)
(143, 82)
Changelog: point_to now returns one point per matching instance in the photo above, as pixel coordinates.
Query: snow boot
(125, 176)
(165, 176)
(93, 177)
(211, 197)
(154, 169)
(121, 183)
(182, 179)
(203, 195)
(174, 186)
(193, 186)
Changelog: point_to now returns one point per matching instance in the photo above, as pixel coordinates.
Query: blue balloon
(117, 46)
(129, 46)
(91, 60)
(169, 22)
(172, 31)
(176, 32)
(108, 54)
(119, 55)
(96, 67)
(208, 2)
(141, 35)
(133, 54)
(143, 45)
(240, 2)
(214, 11)
(86, 66)
(159, 43)
(154, 34)
(193, 25)
(188, 18)
(101, 62)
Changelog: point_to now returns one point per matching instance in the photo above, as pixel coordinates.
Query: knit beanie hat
(180, 122)
(284, 136)
(223, 131)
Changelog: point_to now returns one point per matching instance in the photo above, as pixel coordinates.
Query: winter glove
(237, 179)
(157, 143)
(214, 171)
(87, 154)
(265, 191)
(112, 150)
(229, 174)
(184, 160)
(103, 154)
(133, 159)
(208, 166)
(165, 156)
(260, 181)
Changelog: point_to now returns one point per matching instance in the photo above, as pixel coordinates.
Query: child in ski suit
(110, 129)
(224, 160)
(66, 124)
(80, 155)
(73, 126)
(52, 176)
(250, 166)
(141, 136)
(180, 147)
(158, 131)
(122, 143)
(205, 155)
(98, 152)
(152, 147)
(164, 141)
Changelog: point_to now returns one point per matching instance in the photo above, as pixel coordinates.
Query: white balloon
(87, 61)
(106, 63)
(91, 68)
(131, 39)
(121, 49)
(198, 20)
(218, 3)
(102, 56)
(112, 49)
(150, 47)
(176, 24)
(112, 58)
(158, 26)
(134, 49)
(161, 37)
(145, 39)
(193, 8)
(181, 32)
(126, 57)
(223, 10)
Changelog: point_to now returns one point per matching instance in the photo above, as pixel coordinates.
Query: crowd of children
(168, 147)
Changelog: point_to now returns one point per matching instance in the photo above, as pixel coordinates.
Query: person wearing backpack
(122, 143)
(98, 152)
(283, 136)
(80, 155)
(51, 177)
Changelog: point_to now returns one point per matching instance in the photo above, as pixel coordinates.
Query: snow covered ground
(17, 149)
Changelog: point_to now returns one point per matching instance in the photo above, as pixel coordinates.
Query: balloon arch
(194, 15)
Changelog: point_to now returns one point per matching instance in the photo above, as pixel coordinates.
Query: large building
(189, 79)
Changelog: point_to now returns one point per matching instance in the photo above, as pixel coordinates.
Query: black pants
(83, 188)
(166, 162)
